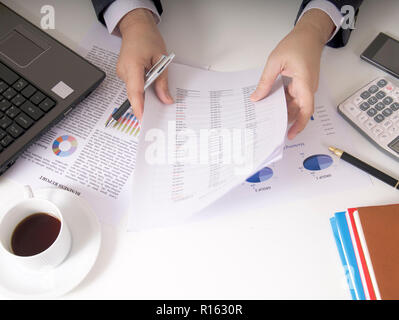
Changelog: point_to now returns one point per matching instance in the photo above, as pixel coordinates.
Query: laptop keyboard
(21, 105)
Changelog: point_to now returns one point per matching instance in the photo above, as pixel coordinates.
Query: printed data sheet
(79, 154)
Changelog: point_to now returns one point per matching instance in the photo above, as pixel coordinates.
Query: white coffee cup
(55, 253)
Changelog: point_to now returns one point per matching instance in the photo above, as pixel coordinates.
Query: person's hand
(298, 56)
(142, 46)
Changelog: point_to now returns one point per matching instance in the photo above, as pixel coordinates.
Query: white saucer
(15, 281)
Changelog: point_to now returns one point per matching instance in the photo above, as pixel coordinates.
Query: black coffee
(35, 234)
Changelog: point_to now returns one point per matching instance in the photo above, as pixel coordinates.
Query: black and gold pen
(365, 167)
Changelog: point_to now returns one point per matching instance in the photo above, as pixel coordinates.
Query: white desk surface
(282, 252)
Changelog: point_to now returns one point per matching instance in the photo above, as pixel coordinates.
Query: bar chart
(127, 124)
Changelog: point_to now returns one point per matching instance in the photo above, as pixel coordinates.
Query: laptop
(41, 81)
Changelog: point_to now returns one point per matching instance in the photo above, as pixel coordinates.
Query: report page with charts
(302, 168)
(307, 169)
(212, 148)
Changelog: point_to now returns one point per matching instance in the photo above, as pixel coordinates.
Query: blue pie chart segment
(260, 176)
(318, 162)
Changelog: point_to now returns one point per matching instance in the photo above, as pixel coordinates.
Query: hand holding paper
(298, 56)
(196, 150)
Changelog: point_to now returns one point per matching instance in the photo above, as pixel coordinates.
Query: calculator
(374, 112)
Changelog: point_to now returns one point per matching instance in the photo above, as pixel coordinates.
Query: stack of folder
(368, 244)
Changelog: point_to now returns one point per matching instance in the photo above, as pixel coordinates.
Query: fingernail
(137, 114)
(291, 135)
(254, 96)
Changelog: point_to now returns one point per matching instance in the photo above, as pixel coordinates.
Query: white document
(79, 154)
(307, 170)
(193, 152)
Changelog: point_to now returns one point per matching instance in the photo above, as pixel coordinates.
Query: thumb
(269, 75)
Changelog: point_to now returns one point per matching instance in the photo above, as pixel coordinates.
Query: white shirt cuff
(119, 8)
(330, 9)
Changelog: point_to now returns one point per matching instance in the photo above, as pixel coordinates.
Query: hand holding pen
(142, 46)
(155, 72)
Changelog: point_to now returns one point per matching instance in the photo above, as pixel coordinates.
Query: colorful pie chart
(318, 162)
(64, 146)
(260, 176)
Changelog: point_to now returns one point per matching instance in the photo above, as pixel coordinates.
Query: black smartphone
(383, 53)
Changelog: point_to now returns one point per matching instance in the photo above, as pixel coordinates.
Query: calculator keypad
(375, 110)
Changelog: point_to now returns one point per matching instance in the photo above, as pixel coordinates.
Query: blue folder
(347, 254)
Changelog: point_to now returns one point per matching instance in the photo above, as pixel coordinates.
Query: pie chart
(318, 162)
(260, 176)
(64, 146)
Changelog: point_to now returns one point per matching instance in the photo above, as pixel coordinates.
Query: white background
(282, 252)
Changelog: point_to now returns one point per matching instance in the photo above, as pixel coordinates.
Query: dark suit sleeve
(101, 5)
(341, 38)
